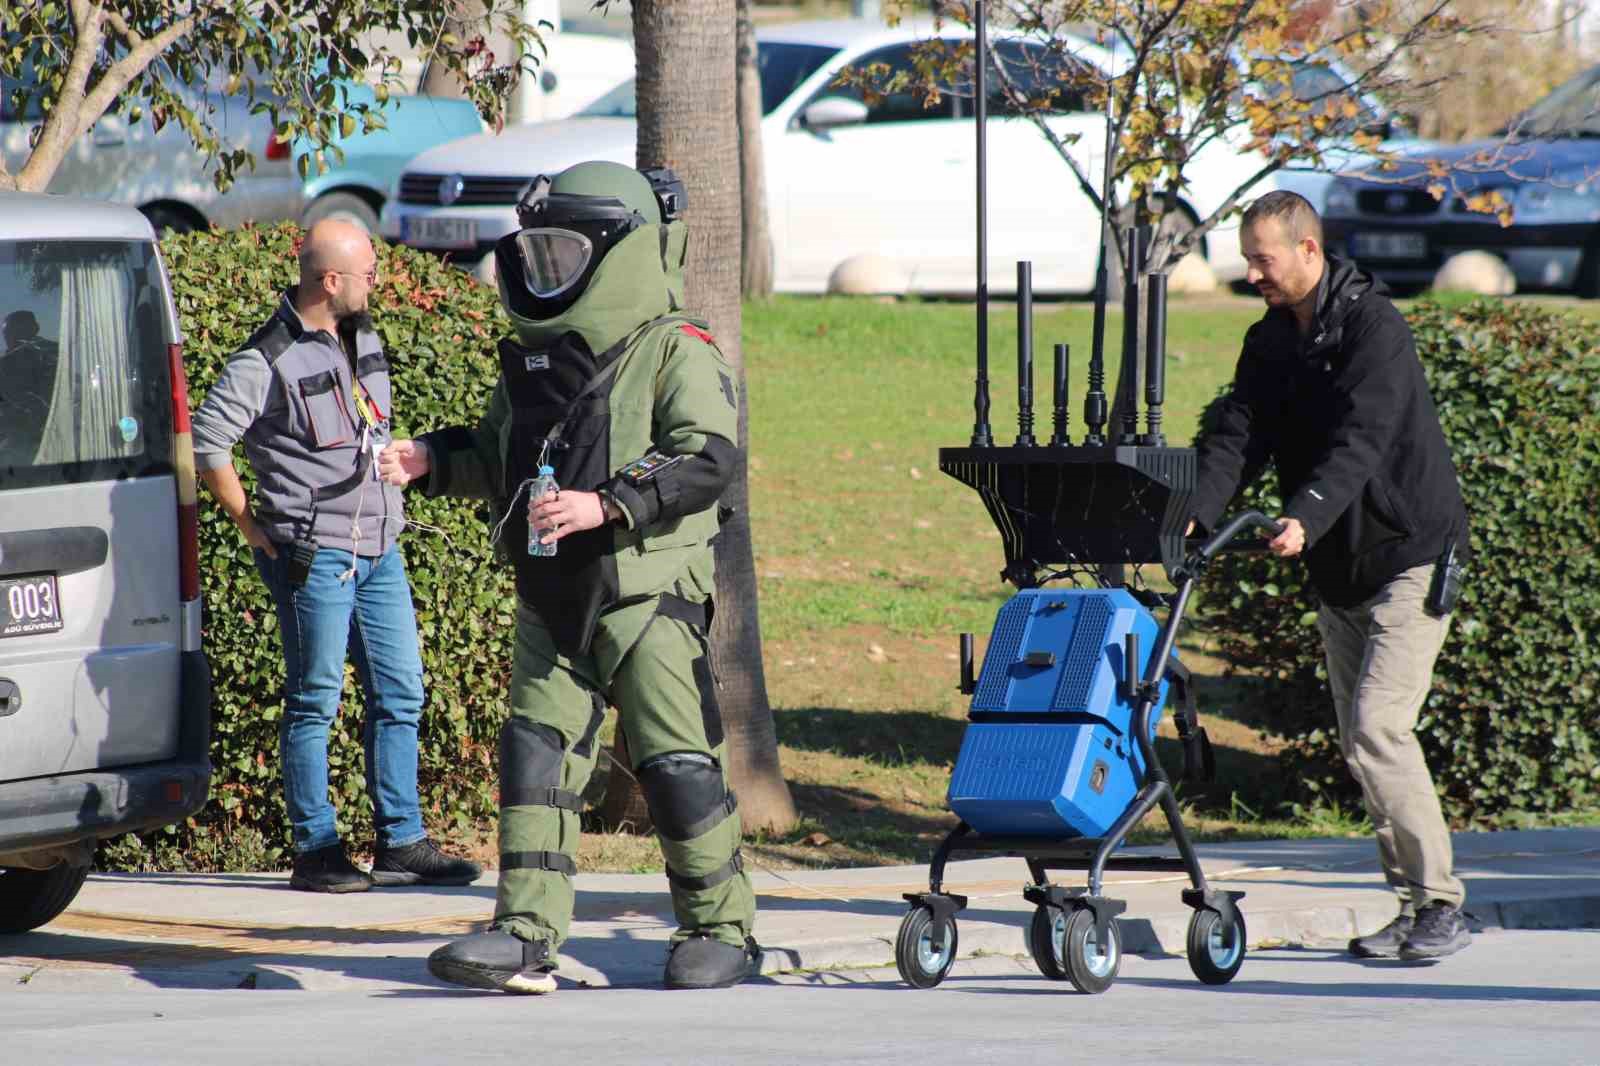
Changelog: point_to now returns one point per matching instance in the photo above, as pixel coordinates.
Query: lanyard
(366, 406)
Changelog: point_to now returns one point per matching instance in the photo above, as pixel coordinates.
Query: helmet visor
(553, 260)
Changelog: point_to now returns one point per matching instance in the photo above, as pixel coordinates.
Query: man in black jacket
(1330, 390)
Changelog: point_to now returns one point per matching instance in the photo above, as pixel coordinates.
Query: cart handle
(1196, 563)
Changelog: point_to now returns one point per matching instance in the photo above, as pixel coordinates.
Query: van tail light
(277, 147)
(183, 468)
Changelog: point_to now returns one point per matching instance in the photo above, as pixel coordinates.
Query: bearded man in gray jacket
(309, 397)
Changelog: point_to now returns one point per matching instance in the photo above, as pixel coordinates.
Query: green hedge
(439, 329)
(1513, 721)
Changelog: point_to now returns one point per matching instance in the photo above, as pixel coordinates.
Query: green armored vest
(582, 393)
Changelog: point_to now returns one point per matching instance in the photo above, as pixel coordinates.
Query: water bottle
(541, 485)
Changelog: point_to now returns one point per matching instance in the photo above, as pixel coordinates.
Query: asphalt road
(1513, 997)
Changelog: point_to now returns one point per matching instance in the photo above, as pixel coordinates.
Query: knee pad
(531, 755)
(685, 793)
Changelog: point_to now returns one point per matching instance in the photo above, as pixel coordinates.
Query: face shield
(563, 239)
(553, 260)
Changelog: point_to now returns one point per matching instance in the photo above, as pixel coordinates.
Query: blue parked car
(355, 190)
(1545, 165)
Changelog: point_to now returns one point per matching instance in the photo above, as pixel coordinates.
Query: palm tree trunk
(757, 238)
(687, 103)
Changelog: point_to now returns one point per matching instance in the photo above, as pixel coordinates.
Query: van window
(84, 391)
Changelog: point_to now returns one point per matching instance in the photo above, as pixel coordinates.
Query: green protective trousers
(650, 676)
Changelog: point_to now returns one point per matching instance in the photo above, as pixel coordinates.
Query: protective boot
(702, 961)
(496, 960)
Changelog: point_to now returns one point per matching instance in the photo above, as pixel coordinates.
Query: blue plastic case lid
(547, 471)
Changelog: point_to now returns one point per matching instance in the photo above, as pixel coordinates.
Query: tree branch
(129, 67)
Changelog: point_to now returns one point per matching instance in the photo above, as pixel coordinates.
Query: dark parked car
(1545, 166)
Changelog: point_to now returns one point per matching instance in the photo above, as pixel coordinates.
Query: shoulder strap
(613, 358)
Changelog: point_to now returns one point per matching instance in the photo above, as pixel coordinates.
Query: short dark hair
(1300, 220)
(22, 324)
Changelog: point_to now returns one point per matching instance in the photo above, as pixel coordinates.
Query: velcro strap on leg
(585, 745)
(542, 797)
(684, 610)
(554, 861)
(712, 820)
(711, 880)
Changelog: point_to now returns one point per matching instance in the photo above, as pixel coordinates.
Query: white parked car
(844, 177)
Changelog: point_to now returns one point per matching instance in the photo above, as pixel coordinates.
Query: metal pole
(981, 435)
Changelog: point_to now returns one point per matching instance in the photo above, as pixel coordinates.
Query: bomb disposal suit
(622, 395)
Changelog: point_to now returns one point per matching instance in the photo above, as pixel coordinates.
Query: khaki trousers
(1380, 666)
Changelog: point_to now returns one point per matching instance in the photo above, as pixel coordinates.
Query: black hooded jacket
(1345, 416)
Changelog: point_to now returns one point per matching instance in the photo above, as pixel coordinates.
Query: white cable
(494, 535)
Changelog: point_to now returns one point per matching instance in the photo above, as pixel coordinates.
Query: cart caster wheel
(914, 954)
(1216, 946)
(1090, 965)
(1044, 940)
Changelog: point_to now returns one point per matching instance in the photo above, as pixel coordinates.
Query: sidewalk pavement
(149, 931)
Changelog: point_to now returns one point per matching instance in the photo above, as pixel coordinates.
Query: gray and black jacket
(288, 396)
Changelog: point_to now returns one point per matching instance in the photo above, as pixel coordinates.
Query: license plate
(457, 233)
(29, 605)
(1388, 246)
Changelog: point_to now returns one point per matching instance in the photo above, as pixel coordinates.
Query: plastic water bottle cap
(547, 471)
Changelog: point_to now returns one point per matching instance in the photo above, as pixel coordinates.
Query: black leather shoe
(1440, 931)
(421, 863)
(327, 869)
(496, 960)
(1385, 943)
(702, 961)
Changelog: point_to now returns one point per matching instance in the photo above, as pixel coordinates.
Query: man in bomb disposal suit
(635, 409)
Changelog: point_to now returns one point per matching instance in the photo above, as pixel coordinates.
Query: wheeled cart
(1058, 765)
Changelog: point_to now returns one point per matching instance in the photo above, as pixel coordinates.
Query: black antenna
(1025, 354)
(981, 436)
(1094, 403)
(1155, 355)
(1059, 438)
(1128, 379)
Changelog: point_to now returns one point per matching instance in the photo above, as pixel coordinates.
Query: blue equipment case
(1049, 751)
(1058, 765)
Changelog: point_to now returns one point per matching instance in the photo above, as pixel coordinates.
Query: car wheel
(31, 898)
(164, 217)
(345, 206)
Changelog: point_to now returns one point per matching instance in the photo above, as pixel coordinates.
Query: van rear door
(89, 567)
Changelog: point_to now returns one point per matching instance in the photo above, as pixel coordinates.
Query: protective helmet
(569, 223)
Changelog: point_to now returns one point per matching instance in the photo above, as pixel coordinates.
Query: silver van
(104, 689)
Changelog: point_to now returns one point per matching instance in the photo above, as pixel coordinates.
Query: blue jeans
(370, 616)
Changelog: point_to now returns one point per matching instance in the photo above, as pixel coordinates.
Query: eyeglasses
(371, 276)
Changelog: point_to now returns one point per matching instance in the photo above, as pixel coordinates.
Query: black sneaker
(327, 869)
(1385, 943)
(701, 961)
(496, 960)
(421, 863)
(1440, 931)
